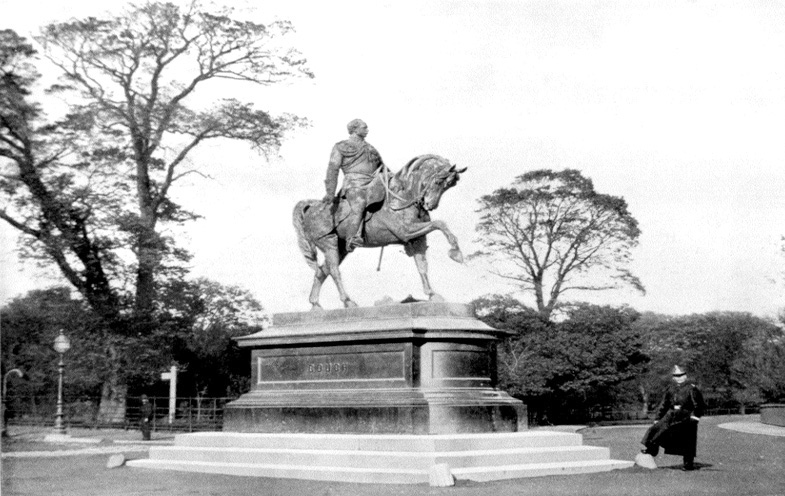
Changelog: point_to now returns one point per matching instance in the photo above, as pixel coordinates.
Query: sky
(676, 106)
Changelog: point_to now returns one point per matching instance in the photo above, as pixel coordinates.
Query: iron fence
(190, 414)
(206, 414)
(612, 416)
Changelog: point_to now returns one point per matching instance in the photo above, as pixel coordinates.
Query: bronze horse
(399, 217)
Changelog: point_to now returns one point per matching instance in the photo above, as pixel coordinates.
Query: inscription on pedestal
(333, 367)
(328, 369)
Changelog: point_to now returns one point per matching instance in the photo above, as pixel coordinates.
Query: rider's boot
(356, 240)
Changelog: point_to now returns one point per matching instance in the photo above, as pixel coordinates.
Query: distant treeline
(586, 359)
(595, 358)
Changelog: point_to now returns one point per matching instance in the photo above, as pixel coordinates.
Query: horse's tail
(307, 246)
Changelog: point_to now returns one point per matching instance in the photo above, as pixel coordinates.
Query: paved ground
(732, 461)
(754, 428)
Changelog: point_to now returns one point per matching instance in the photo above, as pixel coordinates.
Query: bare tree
(549, 230)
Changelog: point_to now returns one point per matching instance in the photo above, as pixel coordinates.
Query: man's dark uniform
(359, 162)
(676, 431)
(146, 420)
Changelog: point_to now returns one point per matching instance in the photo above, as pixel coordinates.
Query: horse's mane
(417, 172)
(414, 165)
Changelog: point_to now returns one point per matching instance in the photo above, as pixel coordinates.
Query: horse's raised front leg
(416, 248)
(332, 259)
(420, 229)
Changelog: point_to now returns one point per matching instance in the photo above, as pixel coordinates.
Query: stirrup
(354, 242)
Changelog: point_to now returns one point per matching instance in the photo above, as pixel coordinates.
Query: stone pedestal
(773, 414)
(415, 368)
(387, 395)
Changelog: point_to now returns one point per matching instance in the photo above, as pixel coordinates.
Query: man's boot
(356, 240)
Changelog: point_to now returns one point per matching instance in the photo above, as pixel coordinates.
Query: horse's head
(437, 175)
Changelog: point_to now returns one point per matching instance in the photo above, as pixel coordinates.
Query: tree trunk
(542, 308)
(645, 397)
(148, 260)
(113, 393)
(148, 247)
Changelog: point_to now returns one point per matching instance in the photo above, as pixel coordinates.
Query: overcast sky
(677, 106)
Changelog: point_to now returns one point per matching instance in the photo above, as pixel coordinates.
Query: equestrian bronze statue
(395, 211)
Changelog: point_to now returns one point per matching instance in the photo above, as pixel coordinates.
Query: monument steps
(486, 474)
(306, 472)
(382, 458)
(382, 442)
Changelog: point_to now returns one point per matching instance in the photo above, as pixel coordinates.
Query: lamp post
(4, 392)
(62, 344)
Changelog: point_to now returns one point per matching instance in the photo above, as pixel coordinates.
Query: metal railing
(206, 414)
(611, 416)
(191, 414)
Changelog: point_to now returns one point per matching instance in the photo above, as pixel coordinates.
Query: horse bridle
(419, 197)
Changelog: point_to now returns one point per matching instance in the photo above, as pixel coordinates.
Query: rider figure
(359, 162)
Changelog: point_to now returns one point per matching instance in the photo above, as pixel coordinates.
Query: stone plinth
(416, 368)
(382, 458)
(773, 414)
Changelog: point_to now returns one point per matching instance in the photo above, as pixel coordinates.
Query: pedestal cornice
(387, 322)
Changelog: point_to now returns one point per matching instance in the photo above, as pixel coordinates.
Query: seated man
(676, 431)
(359, 162)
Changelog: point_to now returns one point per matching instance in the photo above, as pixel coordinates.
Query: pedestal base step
(384, 459)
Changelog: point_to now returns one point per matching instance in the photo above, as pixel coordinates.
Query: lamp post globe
(62, 344)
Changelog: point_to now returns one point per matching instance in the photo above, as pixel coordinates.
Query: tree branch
(20, 225)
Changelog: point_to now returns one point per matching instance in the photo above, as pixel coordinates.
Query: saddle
(376, 192)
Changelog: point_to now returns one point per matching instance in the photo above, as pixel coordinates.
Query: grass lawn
(731, 463)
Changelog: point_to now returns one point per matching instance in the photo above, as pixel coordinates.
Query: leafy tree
(549, 231)
(50, 204)
(594, 350)
(92, 192)
(519, 367)
(667, 341)
(577, 363)
(136, 73)
(732, 355)
(30, 325)
(735, 360)
(766, 360)
(203, 317)
(197, 323)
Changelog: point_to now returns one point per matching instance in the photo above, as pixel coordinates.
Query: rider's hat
(678, 371)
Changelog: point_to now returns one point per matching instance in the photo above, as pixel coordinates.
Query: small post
(4, 393)
(171, 376)
(381, 254)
